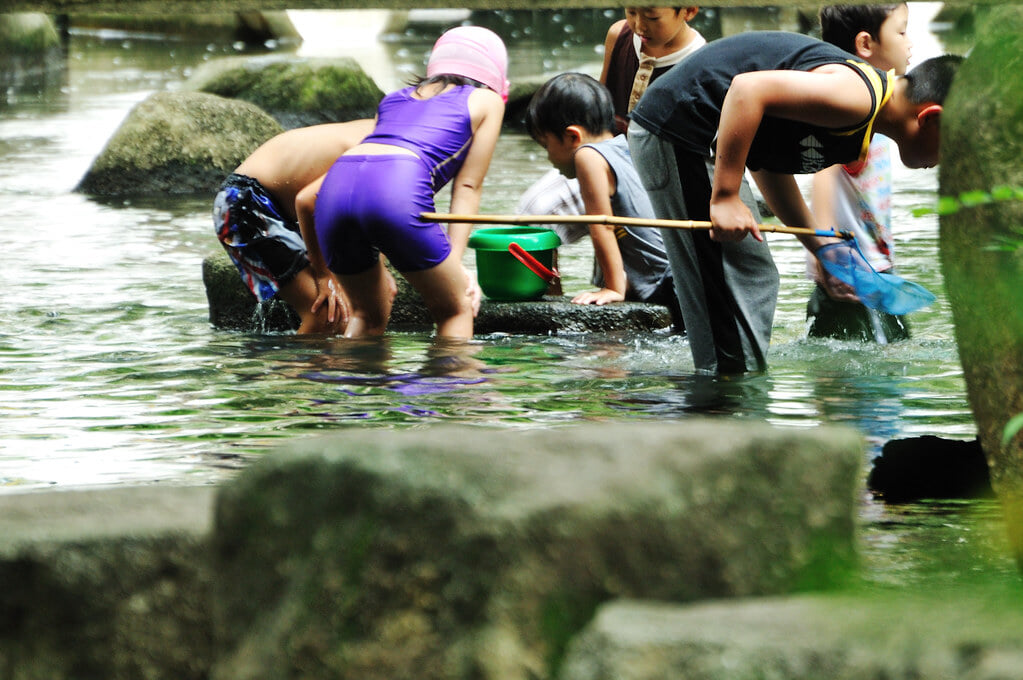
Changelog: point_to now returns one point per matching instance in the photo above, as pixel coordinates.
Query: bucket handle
(534, 265)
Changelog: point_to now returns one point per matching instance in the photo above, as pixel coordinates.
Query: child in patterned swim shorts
(255, 220)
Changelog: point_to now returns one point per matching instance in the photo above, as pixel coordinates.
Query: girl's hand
(598, 297)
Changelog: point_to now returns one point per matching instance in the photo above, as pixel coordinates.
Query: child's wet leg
(370, 296)
(443, 289)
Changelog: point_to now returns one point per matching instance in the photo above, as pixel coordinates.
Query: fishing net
(877, 290)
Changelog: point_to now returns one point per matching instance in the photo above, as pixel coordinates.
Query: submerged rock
(294, 90)
(930, 467)
(177, 143)
(233, 307)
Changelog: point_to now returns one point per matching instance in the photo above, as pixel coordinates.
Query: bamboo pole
(616, 221)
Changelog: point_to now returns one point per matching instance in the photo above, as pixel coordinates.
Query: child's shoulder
(615, 30)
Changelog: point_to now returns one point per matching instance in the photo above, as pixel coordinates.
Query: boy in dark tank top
(778, 104)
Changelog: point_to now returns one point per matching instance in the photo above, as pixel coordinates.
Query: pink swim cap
(472, 52)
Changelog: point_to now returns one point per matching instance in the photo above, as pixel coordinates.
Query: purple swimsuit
(371, 204)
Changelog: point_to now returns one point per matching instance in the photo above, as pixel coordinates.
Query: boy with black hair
(572, 117)
(856, 197)
(779, 104)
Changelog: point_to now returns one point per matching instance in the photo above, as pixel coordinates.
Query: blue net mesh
(877, 290)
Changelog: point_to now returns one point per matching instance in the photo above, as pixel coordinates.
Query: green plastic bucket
(501, 276)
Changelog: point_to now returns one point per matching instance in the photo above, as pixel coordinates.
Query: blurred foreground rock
(454, 553)
(112, 584)
(982, 245)
(896, 636)
(467, 552)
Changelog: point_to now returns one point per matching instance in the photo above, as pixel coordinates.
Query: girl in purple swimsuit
(443, 128)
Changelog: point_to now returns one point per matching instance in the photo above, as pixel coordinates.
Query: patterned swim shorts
(266, 248)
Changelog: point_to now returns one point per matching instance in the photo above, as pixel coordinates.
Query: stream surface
(112, 374)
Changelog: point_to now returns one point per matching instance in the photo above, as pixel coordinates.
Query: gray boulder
(474, 553)
(295, 91)
(981, 150)
(177, 143)
(112, 583)
(972, 635)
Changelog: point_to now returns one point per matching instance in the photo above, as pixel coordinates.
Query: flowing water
(111, 373)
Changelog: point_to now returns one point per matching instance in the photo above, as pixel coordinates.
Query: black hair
(841, 23)
(444, 79)
(930, 80)
(570, 99)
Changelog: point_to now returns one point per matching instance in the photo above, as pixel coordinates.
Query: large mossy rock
(450, 553)
(31, 58)
(177, 143)
(295, 91)
(27, 33)
(982, 145)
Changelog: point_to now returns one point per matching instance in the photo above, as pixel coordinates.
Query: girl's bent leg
(370, 296)
(443, 289)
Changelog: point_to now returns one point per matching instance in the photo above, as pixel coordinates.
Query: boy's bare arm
(829, 96)
(784, 198)
(786, 201)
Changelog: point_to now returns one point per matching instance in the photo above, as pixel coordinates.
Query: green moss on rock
(295, 91)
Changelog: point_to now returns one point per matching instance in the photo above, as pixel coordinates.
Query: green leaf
(947, 205)
(1012, 428)
(972, 198)
(1003, 193)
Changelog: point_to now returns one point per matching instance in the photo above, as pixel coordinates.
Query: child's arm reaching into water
(783, 195)
(327, 291)
(596, 184)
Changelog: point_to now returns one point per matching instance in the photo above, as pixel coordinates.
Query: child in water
(443, 128)
(778, 104)
(637, 50)
(857, 197)
(640, 48)
(255, 220)
(571, 116)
